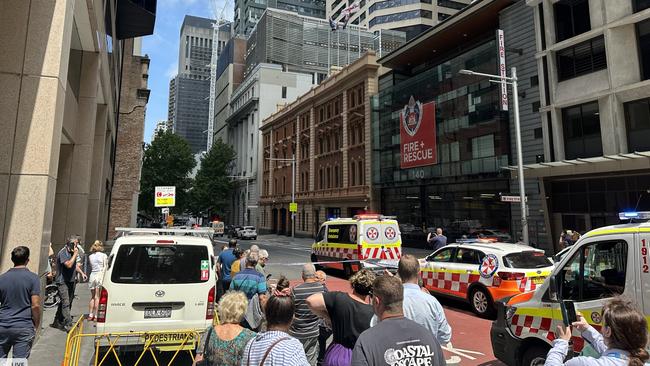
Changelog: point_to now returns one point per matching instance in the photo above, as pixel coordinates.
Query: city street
(471, 334)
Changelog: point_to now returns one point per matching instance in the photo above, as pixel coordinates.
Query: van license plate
(539, 280)
(151, 313)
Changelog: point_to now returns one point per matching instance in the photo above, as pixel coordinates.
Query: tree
(212, 187)
(167, 161)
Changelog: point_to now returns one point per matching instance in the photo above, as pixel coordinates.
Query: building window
(643, 33)
(353, 173)
(582, 59)
(336, 176)
(396, 17)
(571, 18)
(284, 92)
(451, 4)
(329, 178)
(637, 119)
(534, 80)
(537, 133)
(483, 146)
(639, 5)
(582, 131)
(535, 107)
(284, 184)
(443, 16)
(360, 170)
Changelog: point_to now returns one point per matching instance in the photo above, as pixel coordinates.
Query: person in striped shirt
(276, 347)
(305, 324)
(249, 281)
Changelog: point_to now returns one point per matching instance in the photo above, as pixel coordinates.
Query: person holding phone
(622, 341)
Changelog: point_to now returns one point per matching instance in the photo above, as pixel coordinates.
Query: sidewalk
(50, 346)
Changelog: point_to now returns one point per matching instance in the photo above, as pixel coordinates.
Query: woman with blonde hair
(223, 344)
(97, 260)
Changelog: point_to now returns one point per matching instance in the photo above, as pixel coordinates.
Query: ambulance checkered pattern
(394, 252)
(458, 282)
(529, 324)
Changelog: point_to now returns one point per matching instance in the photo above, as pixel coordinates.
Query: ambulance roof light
(634, 215)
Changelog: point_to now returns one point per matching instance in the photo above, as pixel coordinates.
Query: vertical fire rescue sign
(501, 44)
(417, 134)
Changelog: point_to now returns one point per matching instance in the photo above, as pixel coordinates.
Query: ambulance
(348, 243)
(604, 263)
(483, 273)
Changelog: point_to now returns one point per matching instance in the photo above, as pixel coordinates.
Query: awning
(599, 164)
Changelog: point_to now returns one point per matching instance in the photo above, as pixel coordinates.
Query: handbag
(204, 361)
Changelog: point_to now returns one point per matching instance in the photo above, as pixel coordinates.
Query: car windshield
(249, 228)
(528, 259)
(155, 264)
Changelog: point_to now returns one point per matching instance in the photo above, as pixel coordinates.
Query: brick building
(130, 134)
(327, 129)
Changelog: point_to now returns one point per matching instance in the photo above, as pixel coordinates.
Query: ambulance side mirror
(552, 289)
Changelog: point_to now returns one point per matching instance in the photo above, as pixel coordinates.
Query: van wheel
(534, 356)
(314, 259)
(481, 302)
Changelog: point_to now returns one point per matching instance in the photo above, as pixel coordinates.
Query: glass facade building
(461, 193)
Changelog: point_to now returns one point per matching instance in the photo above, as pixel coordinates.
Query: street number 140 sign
(165, 196)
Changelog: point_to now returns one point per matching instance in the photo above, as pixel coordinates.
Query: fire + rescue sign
(417, 134)
(165, 196)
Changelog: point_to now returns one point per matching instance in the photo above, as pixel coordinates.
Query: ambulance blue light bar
(638, 215)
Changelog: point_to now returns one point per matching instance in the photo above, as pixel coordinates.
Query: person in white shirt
(622, 342)
(97, 261)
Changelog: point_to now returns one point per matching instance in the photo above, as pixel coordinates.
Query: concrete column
(33, 73)
(558, 134)
(96, 190)
(622, 55)
(612, 125)
(73, 186)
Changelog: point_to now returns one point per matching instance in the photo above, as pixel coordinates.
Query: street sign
(293, 207)
(165, 196)
(165, 210)
(512, 199)
(502, 69)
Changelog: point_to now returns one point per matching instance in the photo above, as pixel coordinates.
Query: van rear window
(527, 260)
(156, 264)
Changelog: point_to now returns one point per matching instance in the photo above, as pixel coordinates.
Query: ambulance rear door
(391, 240)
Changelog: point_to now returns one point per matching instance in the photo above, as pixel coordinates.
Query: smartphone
(568, 312)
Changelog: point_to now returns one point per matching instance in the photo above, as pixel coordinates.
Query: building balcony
(134, 18)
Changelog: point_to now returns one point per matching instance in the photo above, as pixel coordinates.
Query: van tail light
(101, 307)
(360, 251)
(506, 276)
(209, 311)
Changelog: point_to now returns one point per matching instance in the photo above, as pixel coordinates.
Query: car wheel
(481, 302)
(534, 356)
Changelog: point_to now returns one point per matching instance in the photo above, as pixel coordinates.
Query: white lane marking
(462, 352)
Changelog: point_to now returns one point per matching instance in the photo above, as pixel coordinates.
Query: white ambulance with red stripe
(348, 243)
(484, 273)
(604, 263)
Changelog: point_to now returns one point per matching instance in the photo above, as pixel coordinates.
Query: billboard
(165, 196)
(417, 134)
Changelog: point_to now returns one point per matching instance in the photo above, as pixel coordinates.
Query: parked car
(234, 231)
(248, 232)
(491, 235)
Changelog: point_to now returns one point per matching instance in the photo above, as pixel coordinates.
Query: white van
(158, 283)
(604, 263)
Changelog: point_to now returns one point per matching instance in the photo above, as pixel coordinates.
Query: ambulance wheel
(314, 259)
(534, 356)
(347, 270)
(481, 302)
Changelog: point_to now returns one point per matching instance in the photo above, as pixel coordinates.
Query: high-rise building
(410, 16)
(190, 89)
(308, 45)
(247, 12)
(230, 73)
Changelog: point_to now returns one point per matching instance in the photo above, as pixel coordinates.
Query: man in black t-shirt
(396, 340)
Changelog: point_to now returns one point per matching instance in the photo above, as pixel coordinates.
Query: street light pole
(512, 80)
(246, 218)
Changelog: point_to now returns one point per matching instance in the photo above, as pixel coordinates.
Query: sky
(162, 48)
